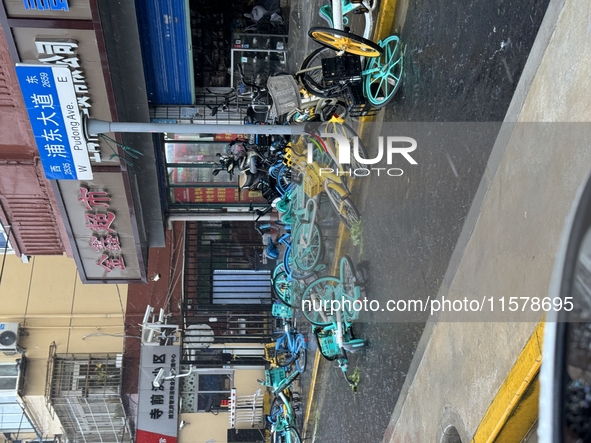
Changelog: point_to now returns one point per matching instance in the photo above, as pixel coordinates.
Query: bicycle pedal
(362, 10)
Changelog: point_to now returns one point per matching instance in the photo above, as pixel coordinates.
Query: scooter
(245, 165)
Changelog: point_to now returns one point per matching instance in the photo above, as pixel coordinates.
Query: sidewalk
(465, 376)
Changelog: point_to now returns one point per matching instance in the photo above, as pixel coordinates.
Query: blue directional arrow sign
(51, 102)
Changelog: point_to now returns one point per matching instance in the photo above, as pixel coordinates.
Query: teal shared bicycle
(283, 421)
(291, 348)
(332, 304)
(375, 76)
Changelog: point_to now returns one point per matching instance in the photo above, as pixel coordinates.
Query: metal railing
(84, 391)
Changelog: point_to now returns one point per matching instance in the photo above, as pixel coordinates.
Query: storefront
(181, 402)
(191, 52)
(190, 45)
(121, 72)
(188, 162)
(116, 216)
(110, 214)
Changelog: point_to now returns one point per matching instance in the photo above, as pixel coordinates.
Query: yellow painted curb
(311, 395)
(385, 19)
(515, 408)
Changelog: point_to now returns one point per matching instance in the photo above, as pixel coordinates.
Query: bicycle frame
(335, 14)
(334, 322)
(283, 420)
(311, 109)
(342, 332)
(278, 380)
(381, 76)
(295, 342)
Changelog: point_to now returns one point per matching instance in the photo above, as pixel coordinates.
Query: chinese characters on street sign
(52, 106)
(63, 53)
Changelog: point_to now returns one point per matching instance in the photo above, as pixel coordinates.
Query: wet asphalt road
(462, 64)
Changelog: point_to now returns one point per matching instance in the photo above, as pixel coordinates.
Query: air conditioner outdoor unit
(8, 336)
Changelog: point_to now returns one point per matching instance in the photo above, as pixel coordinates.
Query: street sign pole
(62, 132)
(94, 127)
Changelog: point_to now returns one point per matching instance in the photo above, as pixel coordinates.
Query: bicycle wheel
(292, 435)
(278, 269)
(283, 355)
(348, 275)
(302, 353)
(383, 76)
(351, 288)
(355, 143)
(345, 41)
(344, 207)
(310, 75)
(307, 247)
(281, 287)
(316, 301)
(291, 268)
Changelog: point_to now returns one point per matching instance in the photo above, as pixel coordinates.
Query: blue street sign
(52, 106)
(47, 5)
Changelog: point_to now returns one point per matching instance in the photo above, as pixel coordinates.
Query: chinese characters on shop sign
(157, 399)
(105, 238)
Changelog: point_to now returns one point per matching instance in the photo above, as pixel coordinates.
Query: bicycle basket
(357, 104)
(285, 93)
(274, 377)
(329, 346)
(280, 310)
(311, 183)
(288, 159)
(342, 69)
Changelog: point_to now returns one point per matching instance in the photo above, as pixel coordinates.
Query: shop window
(205, 390)
(189, 170)
(8, 376)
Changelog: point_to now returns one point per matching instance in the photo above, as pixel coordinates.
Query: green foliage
(357, 236)
(355, 378)
(101, 372)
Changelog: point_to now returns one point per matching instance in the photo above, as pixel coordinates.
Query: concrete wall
(50, 303)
